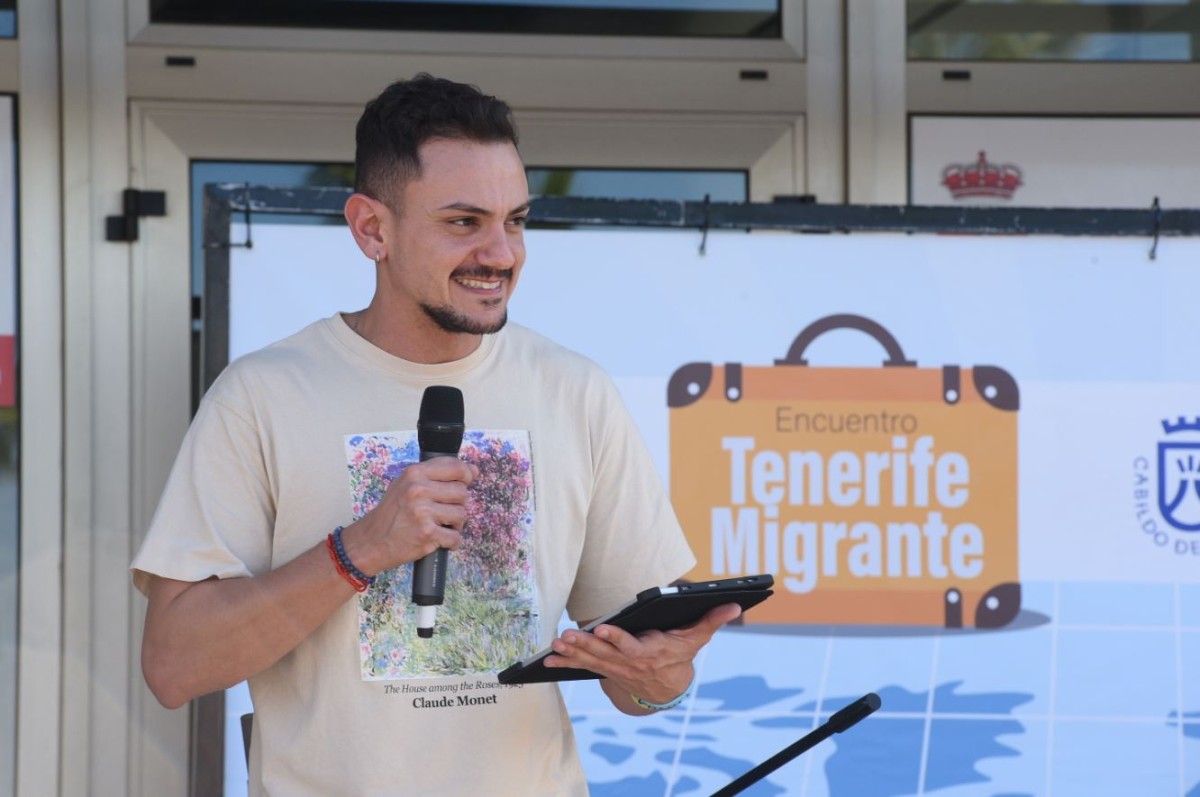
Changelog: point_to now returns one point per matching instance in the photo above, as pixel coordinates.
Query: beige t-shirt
(302, 437)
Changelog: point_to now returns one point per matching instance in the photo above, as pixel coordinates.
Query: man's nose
(501, 248)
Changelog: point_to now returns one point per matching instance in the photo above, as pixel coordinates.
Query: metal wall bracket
(135, 204)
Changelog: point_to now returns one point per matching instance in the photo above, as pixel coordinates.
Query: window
(1053, 30)
(10, 426)
(282, 175)
(8, 19)
(720, 186)
(755, 19)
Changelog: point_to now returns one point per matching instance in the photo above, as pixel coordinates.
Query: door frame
(166, 136)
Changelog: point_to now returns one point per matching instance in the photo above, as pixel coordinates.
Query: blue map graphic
(877, 760)
(1066, 705)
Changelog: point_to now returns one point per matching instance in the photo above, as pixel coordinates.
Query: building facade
(107, 95)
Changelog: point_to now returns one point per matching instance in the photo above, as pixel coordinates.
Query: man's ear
(364, 216)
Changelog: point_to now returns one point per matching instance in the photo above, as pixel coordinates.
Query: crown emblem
(981, 178)
(1181, 425)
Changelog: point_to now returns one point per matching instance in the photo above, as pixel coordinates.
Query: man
(293, 491)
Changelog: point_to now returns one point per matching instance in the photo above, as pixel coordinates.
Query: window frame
(789, 47)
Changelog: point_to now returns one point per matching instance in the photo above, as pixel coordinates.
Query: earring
(378, 257)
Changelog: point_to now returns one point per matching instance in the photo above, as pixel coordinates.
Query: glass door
(9, 449)
(178, 147)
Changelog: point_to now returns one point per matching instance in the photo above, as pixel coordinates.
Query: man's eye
(519, 221)
(468, 222)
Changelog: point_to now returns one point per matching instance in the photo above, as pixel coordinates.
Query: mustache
(482, 273)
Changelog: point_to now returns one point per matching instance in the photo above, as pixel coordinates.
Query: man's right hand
(423, 509)
(208, 635)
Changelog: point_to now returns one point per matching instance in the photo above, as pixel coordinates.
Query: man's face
(455, 237)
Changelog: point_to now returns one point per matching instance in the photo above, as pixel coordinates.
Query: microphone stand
(840, 721)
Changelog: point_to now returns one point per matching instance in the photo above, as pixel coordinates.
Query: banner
(971, 463)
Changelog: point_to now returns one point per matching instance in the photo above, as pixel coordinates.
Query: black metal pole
(839, 722)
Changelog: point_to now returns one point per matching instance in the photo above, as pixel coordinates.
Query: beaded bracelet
(357, 578)
(359, 586)
(670, 703)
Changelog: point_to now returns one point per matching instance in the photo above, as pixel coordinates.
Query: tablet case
(660, 608)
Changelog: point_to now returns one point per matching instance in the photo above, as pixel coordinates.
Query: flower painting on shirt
(490, 615)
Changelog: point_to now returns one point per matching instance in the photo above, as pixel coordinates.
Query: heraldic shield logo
(1179, 475)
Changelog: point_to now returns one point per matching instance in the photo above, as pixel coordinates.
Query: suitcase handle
(795, 355)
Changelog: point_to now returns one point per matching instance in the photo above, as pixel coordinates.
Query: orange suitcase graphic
(875, 496)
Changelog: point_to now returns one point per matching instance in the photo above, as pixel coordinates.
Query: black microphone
(439, 434)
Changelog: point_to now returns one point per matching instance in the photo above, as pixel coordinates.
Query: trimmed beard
(449, 320)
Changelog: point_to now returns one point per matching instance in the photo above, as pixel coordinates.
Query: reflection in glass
(719, 185)
(9, 551)
(755, 19)
(1053, 30)
(629, 5)
(276, 175)
(9, 450)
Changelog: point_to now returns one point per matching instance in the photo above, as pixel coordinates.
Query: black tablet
(660, 608)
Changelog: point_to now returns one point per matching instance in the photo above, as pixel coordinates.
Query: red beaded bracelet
(358, 584)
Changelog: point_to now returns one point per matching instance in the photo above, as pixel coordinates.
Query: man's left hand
(654, 665)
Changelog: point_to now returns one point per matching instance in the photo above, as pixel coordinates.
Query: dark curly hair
(408, 113)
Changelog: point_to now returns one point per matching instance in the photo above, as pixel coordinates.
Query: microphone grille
(442, 404)
(440, 423)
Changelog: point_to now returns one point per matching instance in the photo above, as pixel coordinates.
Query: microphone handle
(429, 572)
